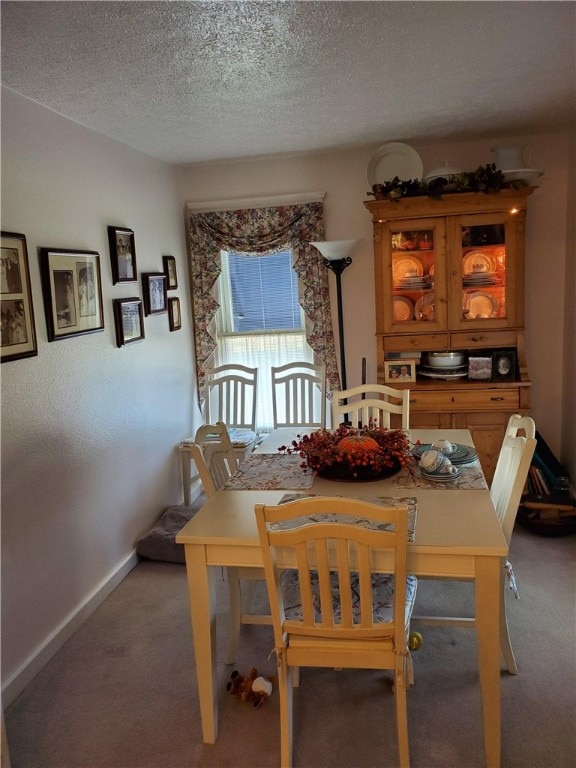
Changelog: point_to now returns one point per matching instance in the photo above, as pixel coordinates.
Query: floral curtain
(261, 231)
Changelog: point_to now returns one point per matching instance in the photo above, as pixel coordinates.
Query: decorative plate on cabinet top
(394, 159)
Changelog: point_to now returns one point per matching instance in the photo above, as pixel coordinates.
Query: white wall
(342, 176)
(88, 430)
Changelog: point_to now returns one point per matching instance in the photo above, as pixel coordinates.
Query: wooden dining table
(457, 535)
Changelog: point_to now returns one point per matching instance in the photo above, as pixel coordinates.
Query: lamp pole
(338, 266)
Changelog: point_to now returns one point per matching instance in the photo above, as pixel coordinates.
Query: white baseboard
(26, 672)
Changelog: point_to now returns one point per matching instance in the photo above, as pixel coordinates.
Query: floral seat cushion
(382, 600)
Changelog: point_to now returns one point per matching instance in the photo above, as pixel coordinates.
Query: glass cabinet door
(481, 275)
(416, 251)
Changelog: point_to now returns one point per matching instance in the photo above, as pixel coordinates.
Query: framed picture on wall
(129, 320)
(122, 255)
(72, 289)
(170, 272)
(399, 370)
(155, 298)
(174, 314)
(18, 327)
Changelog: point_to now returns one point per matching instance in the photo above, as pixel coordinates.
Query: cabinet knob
(413, 400)
(479, 338)
(496, 398)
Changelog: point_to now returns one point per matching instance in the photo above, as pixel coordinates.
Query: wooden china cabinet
(449, 276)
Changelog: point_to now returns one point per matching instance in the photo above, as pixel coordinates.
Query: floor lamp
(337, 257)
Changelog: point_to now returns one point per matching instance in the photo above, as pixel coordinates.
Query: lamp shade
(333, 250)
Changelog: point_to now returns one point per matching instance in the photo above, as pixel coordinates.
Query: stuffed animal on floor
(253, 688)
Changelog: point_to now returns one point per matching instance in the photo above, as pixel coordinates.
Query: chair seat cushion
(382, 590)
(240, 438)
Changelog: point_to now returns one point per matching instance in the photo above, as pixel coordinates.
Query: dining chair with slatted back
(373, 404)
(339, 594)
(510, 476)
(216, 461)
(231, 396)
(299, 395)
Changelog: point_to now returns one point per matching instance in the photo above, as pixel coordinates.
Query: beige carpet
(122, 692)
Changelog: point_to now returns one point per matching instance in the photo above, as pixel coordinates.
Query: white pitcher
(510, 158)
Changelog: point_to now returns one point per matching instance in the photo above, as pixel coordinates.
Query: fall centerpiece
(347, 453)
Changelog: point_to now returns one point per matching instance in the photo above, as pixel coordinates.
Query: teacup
(445, 446)
(434, 462)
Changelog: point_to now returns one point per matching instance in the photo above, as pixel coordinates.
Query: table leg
(488, 636)
(201, 588)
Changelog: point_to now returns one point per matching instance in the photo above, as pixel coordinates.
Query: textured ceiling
(199, 81)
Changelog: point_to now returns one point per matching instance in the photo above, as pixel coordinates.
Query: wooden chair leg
(186, 475)
(400, 680)
(286, 693)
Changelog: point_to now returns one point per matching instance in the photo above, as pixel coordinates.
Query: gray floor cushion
(159, 543)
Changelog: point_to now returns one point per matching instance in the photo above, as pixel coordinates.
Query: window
(260, 322)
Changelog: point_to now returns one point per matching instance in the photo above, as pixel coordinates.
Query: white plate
(394, 159)
(402, 308)
(425, 305)
(407, 267)
(477, 263)
(480, 304)
(431, 375)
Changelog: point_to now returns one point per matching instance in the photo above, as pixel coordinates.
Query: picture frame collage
(129, 313)
(71, 282)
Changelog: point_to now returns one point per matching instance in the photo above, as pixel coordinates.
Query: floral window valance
(261, 231)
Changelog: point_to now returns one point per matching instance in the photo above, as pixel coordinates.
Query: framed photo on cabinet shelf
(129, 320)
(399, 370)
(170, 272)
(155, 298)
(72, 290)
(18, 327)
(122, 255)
(174, 313)
(504, 365)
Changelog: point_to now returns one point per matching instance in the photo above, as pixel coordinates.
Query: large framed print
(72, 289)
(129, 320)
(122, 255)
(18, 327)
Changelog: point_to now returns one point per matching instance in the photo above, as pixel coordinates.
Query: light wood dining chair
(216, 461)
(328, 607)
(512, 469)
(299, 395)
(372, 404)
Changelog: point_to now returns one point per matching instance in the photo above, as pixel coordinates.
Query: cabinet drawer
(428, 342)
(482, 339)
(460, 400)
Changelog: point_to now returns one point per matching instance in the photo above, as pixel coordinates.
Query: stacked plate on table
(462, 454)
(441, 478)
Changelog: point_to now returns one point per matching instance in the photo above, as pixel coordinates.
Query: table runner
(270, 472)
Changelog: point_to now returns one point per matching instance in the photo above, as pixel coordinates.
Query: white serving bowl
(445, 359)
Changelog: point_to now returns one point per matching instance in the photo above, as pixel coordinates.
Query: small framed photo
(399, 370)
(122, 255)
(155, 298)
(504, 365)
(174, 314)
(170, 272)
(129, 320)
(18, 327)
(72, 290)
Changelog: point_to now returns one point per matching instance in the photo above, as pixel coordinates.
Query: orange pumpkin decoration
(358, 444)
